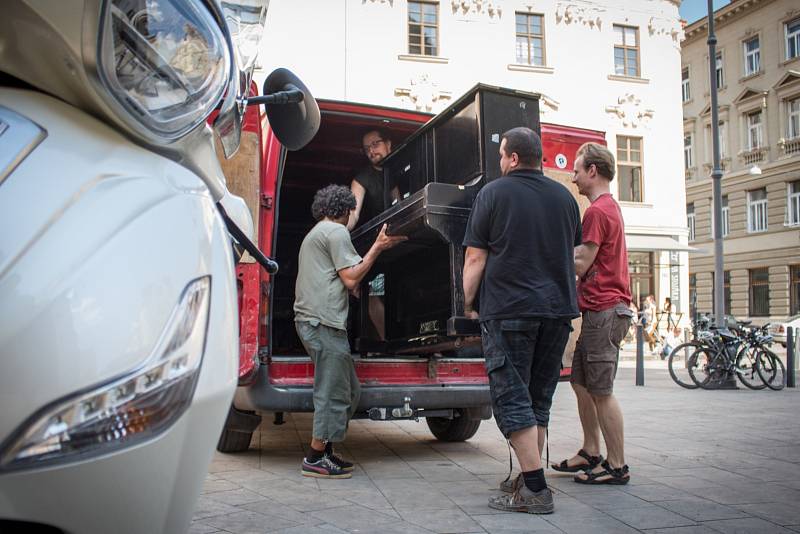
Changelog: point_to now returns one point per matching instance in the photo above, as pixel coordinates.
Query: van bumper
(262, 395)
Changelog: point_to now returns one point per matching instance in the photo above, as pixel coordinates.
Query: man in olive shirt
(328, 267)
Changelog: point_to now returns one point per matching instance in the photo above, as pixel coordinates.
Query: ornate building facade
(757, 66)
(609, 65)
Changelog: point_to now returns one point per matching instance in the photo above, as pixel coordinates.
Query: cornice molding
(722, 17)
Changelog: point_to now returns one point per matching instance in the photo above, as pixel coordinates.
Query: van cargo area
(334, 157)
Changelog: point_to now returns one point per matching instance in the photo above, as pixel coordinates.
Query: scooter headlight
(127, 410)
(166, 62)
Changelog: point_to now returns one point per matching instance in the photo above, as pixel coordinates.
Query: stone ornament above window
(390, 2)
(547, 105)
(572, 13)
(470, 10)
(423, 95)
(630, 111)
(662, 26)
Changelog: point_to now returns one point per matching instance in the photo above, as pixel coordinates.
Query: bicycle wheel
(746, 364)
(680, 359)
(705, 366)
(771, 369)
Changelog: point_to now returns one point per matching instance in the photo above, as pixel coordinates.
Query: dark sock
(535, 479)
(314, 455)
(328, 447)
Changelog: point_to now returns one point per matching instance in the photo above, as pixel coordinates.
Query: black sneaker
(323, 468)
(343, 464)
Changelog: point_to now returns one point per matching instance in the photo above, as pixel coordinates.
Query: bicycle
(741, 351)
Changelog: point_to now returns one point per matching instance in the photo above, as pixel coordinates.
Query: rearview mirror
(291, 109)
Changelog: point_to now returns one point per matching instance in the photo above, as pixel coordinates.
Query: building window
(629, 168)
(690, 220)
(725, 217)
(759, 292)
(688, 151)
(755, 127)
(794, 289)
(718, 70)
(692, 295)
(726, 224)
(793, 119)
(752, 56)
(723, 144)
(757, 210)
(793, 203)
(640, 269)
(726, 292)
(626, 51)
(792, 30)
(530, 39)
(686, 91)
(423, 28)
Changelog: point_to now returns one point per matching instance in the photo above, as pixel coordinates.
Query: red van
(449, 388)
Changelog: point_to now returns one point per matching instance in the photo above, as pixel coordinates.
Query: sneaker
(525, 500)
(343, 464)
(323, 468)
(512, 484)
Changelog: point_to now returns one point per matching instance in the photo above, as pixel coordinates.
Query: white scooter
(118, 301)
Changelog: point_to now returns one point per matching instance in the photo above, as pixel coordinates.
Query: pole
(639, 355)
(791, 356)
(716, 177)
(728, 381)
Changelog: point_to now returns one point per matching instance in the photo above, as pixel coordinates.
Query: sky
(691, 10)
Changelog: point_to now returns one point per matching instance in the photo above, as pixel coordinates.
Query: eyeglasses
(373, 145)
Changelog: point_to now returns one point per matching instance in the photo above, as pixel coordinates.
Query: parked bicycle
(735, 349)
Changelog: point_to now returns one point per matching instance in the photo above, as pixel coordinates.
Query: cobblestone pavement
(701, 462)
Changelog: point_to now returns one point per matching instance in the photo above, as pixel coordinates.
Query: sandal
(564, 466)
(616, 476)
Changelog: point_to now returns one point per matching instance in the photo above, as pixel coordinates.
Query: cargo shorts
(594, 364)
(523, 361)
(336, 386)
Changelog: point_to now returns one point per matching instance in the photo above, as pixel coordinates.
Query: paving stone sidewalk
(701, 462)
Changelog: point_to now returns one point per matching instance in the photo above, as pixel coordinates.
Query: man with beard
(520, 243)
(367, 186)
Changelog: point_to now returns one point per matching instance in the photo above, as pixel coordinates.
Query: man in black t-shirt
(520, 243)
(367, 186)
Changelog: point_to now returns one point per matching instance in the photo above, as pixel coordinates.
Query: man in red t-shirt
(604, 298)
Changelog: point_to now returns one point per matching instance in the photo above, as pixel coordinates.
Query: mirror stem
(292, 95)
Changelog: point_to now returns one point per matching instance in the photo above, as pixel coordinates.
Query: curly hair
(332, 201)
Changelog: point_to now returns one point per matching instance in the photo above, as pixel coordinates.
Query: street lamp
(716, 176)
(727, 381)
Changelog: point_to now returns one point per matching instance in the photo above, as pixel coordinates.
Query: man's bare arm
(474, 265)
(359, 192)
(352, 276)
(584, 257)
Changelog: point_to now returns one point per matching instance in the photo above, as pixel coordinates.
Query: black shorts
(523, 361)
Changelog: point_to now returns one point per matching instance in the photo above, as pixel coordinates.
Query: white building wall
(357, 50)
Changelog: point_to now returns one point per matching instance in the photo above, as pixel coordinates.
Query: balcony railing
(789, 147)
(753, 155)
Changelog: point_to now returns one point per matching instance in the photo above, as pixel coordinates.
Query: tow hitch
(388, 413)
